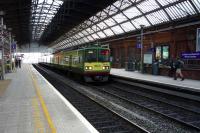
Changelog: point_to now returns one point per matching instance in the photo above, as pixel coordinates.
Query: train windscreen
(104, 55)
(91, 55)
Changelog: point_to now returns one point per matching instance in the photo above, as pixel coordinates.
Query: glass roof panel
(117, 29)
(140, 21)
(112, 10)
(90, 38)
(84, 32)
(89, 30)
(148, 5)
(197, 4)
(108, 32)
(80, 34)
(120, 18)
(132, 12)
(101, 34)
(102, 25)
(157, 17)
(125, 4)
(95, 36)
(110, 22)
(127, 26)
(178, 10)
(42, 14)
(166, 2)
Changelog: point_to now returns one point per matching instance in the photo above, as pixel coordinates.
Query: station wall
(178, 40)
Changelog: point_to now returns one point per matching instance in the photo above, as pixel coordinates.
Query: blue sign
(138, 45)
(193, 55)
(13, 46)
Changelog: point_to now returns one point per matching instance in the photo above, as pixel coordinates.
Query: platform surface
(187, 83)
(23, 111)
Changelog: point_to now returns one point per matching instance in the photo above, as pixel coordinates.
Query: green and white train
(93, 63)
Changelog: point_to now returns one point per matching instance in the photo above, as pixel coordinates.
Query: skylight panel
(110, 22)
(102, 25)
(89, 30)
(95, 28)
(120, 18)
(101, 34)
(132, 12)
(197, 4)
(85, 32)
(157, 17)
(148, 5)
(127, 26)
(42, 15)
(95, 36)
(140, 21)
(166, 2)
(117, 29)
(112, 10)
(125, 3)
(108, 32)
(180, 10)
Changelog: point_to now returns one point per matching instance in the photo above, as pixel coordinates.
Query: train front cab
(97, 65)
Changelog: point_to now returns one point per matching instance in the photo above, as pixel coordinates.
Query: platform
(193, 85)
(30, 104)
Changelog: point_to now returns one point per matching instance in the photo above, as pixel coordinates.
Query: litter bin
(155, 68)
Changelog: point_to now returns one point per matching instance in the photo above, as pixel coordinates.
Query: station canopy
(42, 12)
(125, 16)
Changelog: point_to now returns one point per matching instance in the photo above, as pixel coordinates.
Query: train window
(104, 55)
(91, 55)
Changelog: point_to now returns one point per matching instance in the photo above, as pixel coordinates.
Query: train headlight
(105, 67)
(88, 68)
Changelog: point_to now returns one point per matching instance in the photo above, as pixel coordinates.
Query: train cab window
(91, 55)
(104, 55)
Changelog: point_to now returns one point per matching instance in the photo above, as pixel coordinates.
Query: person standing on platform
(16, 62)
(19, 62)
(178, 66)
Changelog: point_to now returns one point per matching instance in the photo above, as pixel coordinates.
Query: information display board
(148, 58)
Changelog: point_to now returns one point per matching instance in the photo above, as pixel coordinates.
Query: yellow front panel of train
(97, 66)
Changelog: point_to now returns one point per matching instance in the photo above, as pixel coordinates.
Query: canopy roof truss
(125, 16)
(42, 13)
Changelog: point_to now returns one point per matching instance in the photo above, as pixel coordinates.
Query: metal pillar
(10, 41)
(141, 58)
(2, 44)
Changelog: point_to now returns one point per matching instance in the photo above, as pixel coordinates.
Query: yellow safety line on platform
(44, 107)
(39, 126)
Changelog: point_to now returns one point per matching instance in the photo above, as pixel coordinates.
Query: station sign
(193, 55)
(138, 45)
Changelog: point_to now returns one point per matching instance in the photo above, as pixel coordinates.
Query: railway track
(103, 119)
(173, 107)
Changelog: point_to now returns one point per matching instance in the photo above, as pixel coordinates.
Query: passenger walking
(178, 66)
(172, 71)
